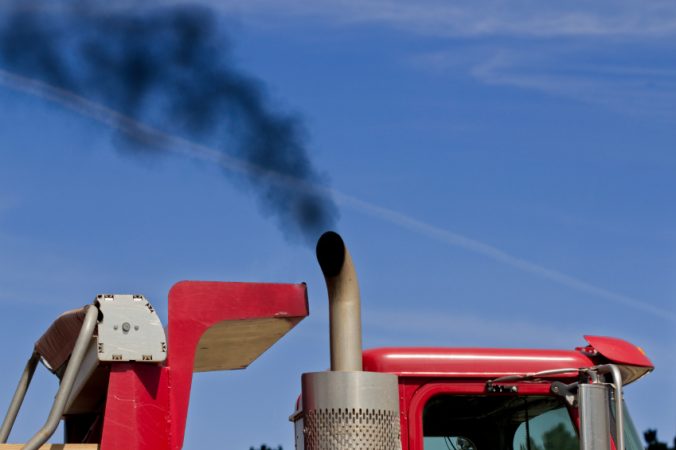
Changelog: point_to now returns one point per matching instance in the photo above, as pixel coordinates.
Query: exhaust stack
(344, 302)
(346, 408)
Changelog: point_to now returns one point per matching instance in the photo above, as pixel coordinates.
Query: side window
(490, 422)
(632, 440)
(551, 430)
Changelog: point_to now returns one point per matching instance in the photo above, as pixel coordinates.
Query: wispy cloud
(170, 143)
(625, 88)
(639, 90)
(481, 17)
(461, 18)
(646, 87)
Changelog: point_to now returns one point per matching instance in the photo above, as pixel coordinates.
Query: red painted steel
(619, 351)
(478, 363)
(195, 306)
(147, 405)
(137, 415)
(425, 372)
(495, 362)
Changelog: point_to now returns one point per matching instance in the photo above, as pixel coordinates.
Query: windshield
(505, 422)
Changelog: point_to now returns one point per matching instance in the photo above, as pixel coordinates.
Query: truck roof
(487, 363)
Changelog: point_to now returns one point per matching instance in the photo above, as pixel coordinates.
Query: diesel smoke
(171, 68)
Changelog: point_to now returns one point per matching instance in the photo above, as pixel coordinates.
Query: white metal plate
(130, 330)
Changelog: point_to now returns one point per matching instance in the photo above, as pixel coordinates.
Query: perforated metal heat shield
(349, 410)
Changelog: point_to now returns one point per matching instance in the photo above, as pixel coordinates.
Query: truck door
(463, 416)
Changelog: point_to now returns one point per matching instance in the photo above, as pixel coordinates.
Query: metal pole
(619, 413)
(19, 395)
(67, 381)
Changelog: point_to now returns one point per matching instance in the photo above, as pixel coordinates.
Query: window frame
(432, 389)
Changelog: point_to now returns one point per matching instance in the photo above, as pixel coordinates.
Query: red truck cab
(451, 398)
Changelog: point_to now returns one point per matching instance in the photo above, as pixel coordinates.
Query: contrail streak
(174, 144)
(494, 253)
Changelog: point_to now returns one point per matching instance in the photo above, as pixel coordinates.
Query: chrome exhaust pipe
(346, 408)
(344, 302)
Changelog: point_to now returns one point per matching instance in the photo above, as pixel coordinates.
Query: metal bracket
(567, 391)
(130, 330)
(501, 388)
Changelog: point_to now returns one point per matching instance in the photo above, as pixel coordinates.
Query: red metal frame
(147, 405)
(417, 401)
(618, 351)
(482, 363)
(137, 414)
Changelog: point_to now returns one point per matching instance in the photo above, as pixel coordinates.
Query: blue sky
(505, 174)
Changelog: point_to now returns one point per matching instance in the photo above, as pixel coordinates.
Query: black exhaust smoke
(171, 68)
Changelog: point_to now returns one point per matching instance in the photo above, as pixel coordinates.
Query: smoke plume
(172, 69)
